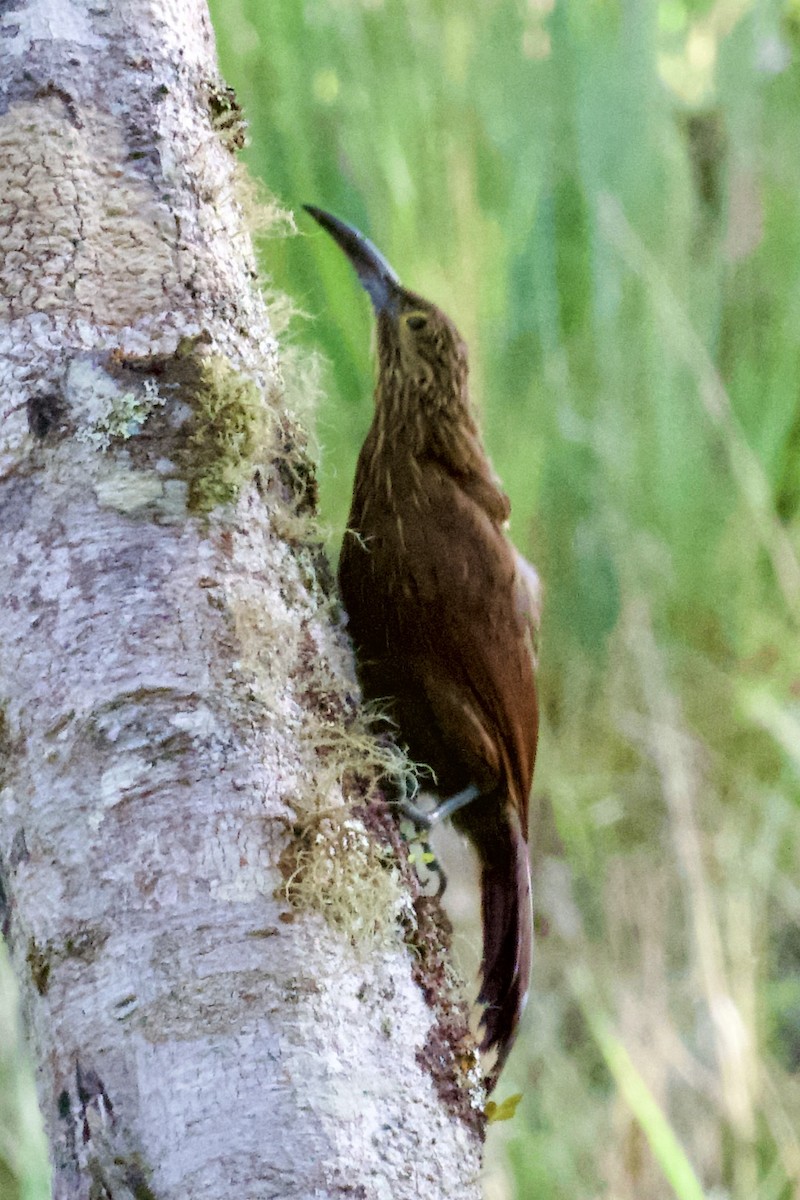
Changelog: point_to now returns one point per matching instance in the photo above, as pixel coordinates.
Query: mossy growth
(350, 863)
(39, 964)
(209, 419)
(227, 435)
(227, 117)
(334, 864)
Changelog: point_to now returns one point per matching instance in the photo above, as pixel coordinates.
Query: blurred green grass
(605, 196)
(24, 1173)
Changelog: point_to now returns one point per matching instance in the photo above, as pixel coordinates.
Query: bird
(444, 614)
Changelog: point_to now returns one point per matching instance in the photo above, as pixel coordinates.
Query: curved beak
(374, 272)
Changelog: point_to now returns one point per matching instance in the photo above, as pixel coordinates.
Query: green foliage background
(605, 195)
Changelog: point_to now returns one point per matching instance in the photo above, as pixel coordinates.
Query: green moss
(227, 434)
(39, 963)
(226, 114)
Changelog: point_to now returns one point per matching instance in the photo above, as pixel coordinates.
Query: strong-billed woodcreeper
(443, 612)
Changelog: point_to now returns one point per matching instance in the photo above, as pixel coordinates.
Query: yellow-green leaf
(503, 1111)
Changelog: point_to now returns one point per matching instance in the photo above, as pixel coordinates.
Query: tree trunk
(211, 935)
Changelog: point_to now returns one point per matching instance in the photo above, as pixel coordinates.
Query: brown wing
(436, 584)
(484, 621)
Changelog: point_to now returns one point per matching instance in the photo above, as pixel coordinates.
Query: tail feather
(507, 937)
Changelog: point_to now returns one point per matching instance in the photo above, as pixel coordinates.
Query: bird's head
(417, 343)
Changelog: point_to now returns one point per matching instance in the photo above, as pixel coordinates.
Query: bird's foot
(443, 810)
(413, 813)
(421, 822)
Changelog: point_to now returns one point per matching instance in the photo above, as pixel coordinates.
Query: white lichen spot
(176, 493)
(48, 21)
(8, 802)
(116, 782)
(245, 887)
(128, 490)
(405, 913)
(199, 722)
(102, 409)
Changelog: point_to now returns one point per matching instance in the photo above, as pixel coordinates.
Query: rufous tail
(507, 934)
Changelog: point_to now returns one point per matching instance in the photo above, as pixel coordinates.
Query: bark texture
(173, 691)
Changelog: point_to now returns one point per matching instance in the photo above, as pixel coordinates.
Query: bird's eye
(416, 321)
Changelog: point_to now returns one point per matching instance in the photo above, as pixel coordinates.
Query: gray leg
(444, 809)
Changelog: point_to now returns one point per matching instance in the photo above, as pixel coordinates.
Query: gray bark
(210, 944)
